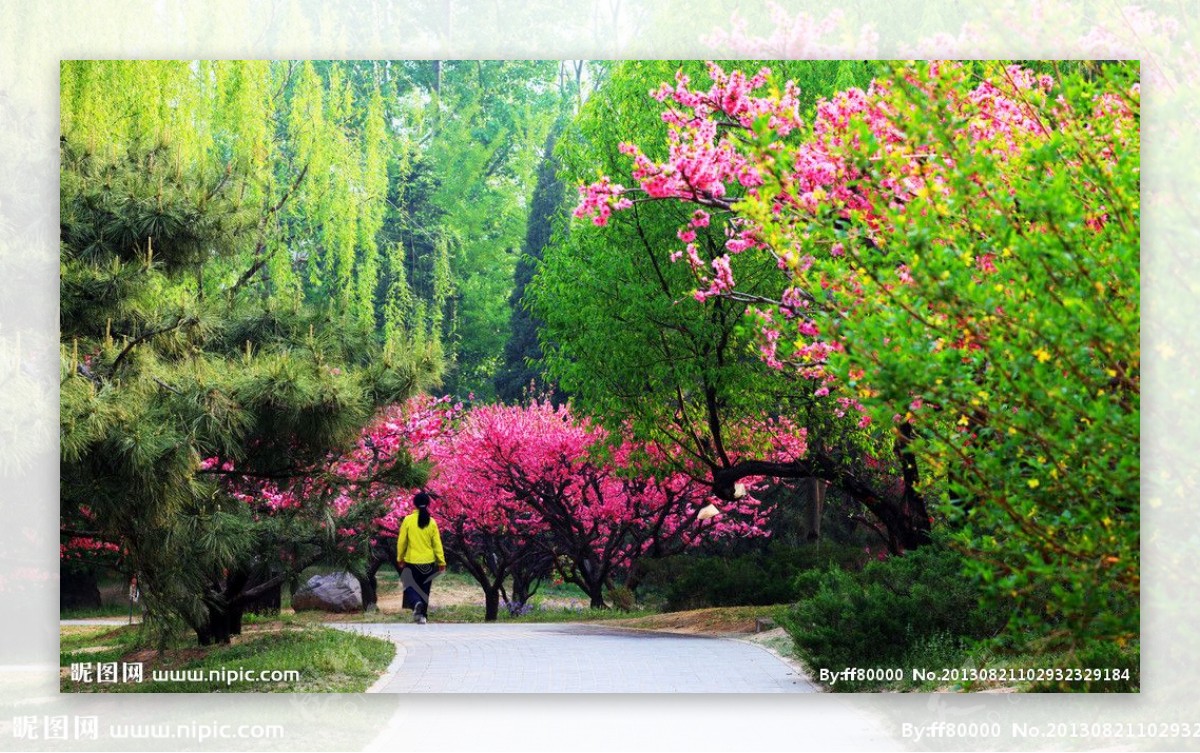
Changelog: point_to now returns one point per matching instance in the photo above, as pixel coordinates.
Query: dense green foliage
(880, 616)
(254, 256)
(768, 576)
(623, 337)
(618, 331)
(485, 123)
(999, 313)
(953, 252)
(1036, 428)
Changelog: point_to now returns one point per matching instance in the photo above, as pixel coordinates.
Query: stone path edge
(392, 669)
(799, 668)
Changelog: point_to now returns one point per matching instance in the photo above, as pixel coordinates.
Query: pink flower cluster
(539, 474)
(80, 547)
(600, 199)
(856, 164)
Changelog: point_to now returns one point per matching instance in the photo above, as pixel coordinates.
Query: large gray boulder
(334, 592)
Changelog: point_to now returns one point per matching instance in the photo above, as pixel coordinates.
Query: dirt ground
(716, 621)
(454, 591)
(446, 592)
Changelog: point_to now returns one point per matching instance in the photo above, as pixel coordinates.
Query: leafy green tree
(623, 336)
(490, 119)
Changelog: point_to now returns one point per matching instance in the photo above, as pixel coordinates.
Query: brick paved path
(574, 658)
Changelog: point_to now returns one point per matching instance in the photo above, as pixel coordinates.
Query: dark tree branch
(249, 273)
(81, 534)
(273, 581)
(257, 266)
(185, 321)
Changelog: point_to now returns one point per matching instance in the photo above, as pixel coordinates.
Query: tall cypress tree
(522, 351)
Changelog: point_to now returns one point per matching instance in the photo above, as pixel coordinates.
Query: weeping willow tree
(224, 295)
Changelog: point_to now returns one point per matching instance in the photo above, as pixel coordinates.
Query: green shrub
(622, 598)
(770, 576)
(889, 610)
(1099, 655)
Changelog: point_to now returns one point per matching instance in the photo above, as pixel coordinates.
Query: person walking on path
(419, 556)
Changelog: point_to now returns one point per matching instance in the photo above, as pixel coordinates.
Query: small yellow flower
(1033, 483)
(1042, 355)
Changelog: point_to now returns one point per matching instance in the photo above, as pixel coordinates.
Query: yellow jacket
(420, 546)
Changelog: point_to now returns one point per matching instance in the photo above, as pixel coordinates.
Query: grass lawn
(106, 610)
(323, 660)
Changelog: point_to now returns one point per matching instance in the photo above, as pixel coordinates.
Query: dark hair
(421, 501)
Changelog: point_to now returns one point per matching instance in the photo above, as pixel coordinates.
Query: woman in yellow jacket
(418, 553)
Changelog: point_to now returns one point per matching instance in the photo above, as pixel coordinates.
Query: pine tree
(188, 363)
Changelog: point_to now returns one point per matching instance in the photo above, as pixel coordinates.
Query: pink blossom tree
(956, 251)
(543, 472)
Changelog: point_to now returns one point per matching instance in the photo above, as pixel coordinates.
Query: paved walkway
(114, 621)
(573, 658)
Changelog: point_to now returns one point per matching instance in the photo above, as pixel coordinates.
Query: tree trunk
(221, 621)
(382, 553)
(917, 525)
(523, 586)
(591, 580)
(78, 589)
(224, 605)
(905, 516)
(491, 601)
(594, 588)
(370, 587)
(816, 507)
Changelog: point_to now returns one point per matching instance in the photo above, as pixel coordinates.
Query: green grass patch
(316, 660)
(106, 610)
(95, 643)
(559, 591)
(475, 613)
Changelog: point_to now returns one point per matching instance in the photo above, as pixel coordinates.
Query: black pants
(417, 581)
